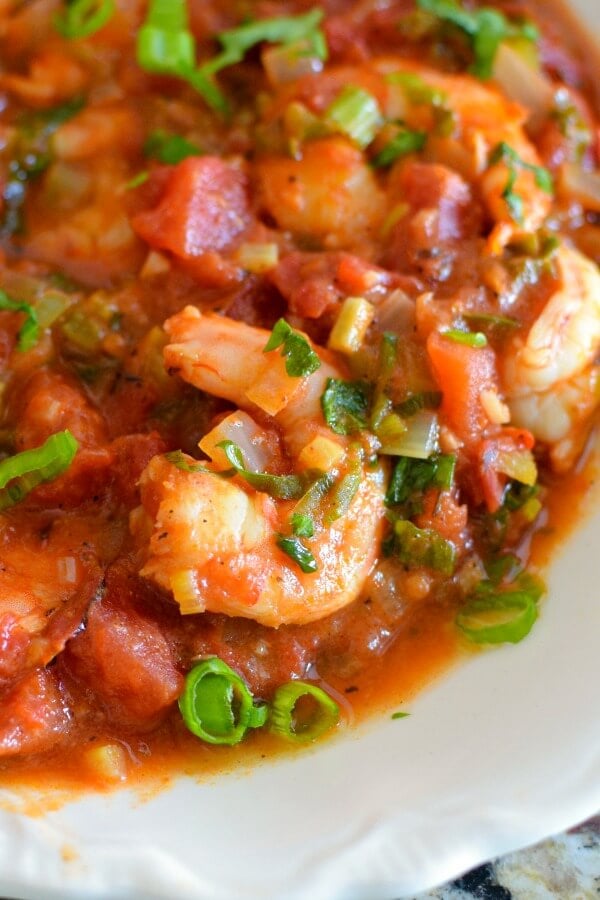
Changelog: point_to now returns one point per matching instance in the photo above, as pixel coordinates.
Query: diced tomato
(204, 207)
(33, 715)
(443, 514)
(433, 186)
(125, 659)
(462, 373)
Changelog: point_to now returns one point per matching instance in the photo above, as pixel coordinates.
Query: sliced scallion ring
(21, 473)
(288, 719)
(216, 704)
(499, 618)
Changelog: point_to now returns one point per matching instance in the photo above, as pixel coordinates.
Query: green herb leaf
(138, 180)
(169, 148)
(180, 461)
(30, 330)
(345, 405)
(400, 715)
(486, 28)
(82, 18)
(503, 152)
(300, 358)
(492, 320)
(297, 551)
(470, 338)
(405, 142)
(412, 477)
(414, 403)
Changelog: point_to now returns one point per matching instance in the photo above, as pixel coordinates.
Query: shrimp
(550, 376)
(212, 541)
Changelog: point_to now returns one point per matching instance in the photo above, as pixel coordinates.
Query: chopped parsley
(300, 358)
(543, 179)
(345, 405)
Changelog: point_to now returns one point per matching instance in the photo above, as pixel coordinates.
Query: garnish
(282, 487)
(137, 180)
(414, 403)
(404, 142)
(400, 715)
(355, 113)
(169, 148)
(297, 551)
(30, 329)
(345, 405)
(421, 547)
(543, 179)
(493, 321)
(82, 18)
(496, 616)
(412, 477)
(300, 358)
(486, 28)
(302, 525)
(470, 338)
(289, 718)
(216, 704)
(178, 459)
(21, 473)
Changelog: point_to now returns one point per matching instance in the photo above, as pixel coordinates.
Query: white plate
(504, 751)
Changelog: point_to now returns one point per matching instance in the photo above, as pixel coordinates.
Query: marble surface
(566, 867)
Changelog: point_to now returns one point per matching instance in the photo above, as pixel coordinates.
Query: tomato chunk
(204, 207)
(33, 715)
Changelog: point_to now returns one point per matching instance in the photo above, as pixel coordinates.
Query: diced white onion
(522, 82)
(421, 437)
(396, 313)
(290, 62)
(240, 428)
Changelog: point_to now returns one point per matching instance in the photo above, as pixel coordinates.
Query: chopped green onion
(391, 430)
(216, 704)
(296, 550)
(400, 715)
(486, 28)
(498, 618)
(165, 45)
(282, 487)
(30, 330)
(345, 405)
(355, 113)
(287, 720)
(179, 460)
(300, 358)
(82, 18)
(22, 473)
(138, 180)
(169, 148)
(422, 547)
(470, 338)
(405, 142)
(416, 89)
(302, 525)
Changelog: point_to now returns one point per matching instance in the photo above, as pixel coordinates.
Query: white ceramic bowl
(504, 751)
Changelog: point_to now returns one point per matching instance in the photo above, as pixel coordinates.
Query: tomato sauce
(462, 216)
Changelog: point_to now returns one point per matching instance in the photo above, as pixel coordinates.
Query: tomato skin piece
(204, 207)
(462, 373)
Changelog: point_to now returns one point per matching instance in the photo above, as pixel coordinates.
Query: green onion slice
(282, 487)
(403, 143)
(499, 618)
(422, 547)
(470, 338)
(216, 704)
(165, 45)
(300, 358)
(355, 113)
(30, 330)
(82, 18)
(287, 716)
(21, 473)
(296, 550)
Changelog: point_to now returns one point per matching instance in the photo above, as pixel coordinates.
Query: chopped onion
(518, 465)
(351, 325)
(421, 437)
(321, 453)
(240, 428)
(107, 762)
(522, 82)
(396, 313)
(579, 185)
(258, 258)
(289, 62)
